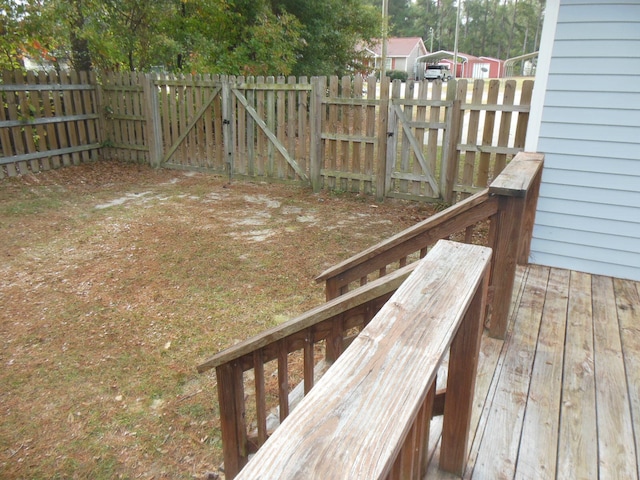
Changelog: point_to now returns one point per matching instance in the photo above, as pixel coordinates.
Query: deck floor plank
(616, 452)
(628, 308)
(538, 446)
(577, 444)
(500, 441)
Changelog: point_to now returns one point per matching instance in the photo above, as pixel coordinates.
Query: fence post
(152, 112)
(516, 191)
(452, 134)
(383, 120)
(392, 136)
(318, 86)
(227, 125)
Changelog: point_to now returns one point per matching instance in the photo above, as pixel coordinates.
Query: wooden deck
(560, 396)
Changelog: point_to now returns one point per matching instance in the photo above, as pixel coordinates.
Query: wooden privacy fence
(300, 349)
(413, 140)
(47, 121)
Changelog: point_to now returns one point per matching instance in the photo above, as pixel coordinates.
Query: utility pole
(455, 46)
(385, 26)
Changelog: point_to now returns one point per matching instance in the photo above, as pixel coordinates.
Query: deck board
(628, 309)
(615, 431)
(560, 397)
(501, 437)
(577, 443)
(542, 415)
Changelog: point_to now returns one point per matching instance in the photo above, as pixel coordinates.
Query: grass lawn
(116, 280)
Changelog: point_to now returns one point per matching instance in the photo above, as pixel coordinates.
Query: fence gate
(416, 144)
(190, 118)
(268, 133)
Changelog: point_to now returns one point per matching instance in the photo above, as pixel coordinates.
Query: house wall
(588, 216)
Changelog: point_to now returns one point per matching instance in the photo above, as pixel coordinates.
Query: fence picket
(36, 103)
(9, 149)
(370, 133)
(357, 147)
(469, 168)
(76, 102)
(523, 116)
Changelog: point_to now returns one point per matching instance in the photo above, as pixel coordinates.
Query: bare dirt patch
(116, 280)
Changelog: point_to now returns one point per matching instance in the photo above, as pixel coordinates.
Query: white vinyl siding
(588, 215)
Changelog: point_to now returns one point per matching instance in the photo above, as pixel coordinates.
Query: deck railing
(369, 416)
(500, 217)
(301, 349)
(302, 340)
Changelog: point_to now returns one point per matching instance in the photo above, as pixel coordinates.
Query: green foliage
(249, 37)
(398, 75)
(332, 32)
(494, 28)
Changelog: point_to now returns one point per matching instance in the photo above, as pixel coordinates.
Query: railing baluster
(424, 422)
(468, 234)
(308, 362)
(261, 402)
(283, 379)
(334, 345)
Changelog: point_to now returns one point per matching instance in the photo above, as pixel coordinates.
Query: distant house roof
(398, 47)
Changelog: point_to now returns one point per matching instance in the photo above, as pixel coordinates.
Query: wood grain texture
(538, 446)
(501, 439)
(628, 310)
(616, 456)
(577, 442)
(375, 389)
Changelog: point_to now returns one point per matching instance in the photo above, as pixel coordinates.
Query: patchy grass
(116, 280)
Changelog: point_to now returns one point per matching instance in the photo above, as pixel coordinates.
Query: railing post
(512, 187)
(461, 380)
(531, 204)
(232, 424)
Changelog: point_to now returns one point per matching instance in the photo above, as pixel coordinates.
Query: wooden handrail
(311, 318)
(368, 417)
(508, 206)
(329, 325)
(469, 212)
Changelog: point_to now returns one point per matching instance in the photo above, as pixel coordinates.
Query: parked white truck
(438, 72)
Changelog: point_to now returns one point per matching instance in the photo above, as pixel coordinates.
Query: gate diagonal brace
(281, 148)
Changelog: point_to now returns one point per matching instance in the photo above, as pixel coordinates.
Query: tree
(12, 36)
(332, 31)
(497, 28)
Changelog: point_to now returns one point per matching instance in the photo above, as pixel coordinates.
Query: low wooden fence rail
(500, 216)
(368, 417)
